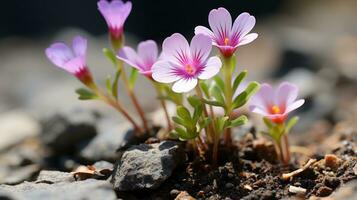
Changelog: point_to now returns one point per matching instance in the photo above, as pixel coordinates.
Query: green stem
(228, 92)
(132, 95)
(163, 104)
(115, 103)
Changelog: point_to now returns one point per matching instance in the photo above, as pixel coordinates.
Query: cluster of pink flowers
(182, 64)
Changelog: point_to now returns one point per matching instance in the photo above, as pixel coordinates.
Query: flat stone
(65, 133)
(16, 126)
(147, 166)
(17, 175)
(90, 189)
(51, 177)
(110, 138)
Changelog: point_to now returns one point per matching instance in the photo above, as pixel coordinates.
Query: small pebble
(229, 185)
(184, 196)
(324, 191)
(297, 190)
(174, 192)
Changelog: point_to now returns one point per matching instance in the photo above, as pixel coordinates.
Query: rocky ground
(55, 147)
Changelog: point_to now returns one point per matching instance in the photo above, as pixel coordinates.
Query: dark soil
(250, 170)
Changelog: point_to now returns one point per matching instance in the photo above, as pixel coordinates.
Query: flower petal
(242, 25)
(212, 68)
(264, 97)
(176, 49)
(294, 105)
(258, 110)
(220, 22)
(114, 12)
(163, 72)
(148, 53)
(128, 55)
(205, 31)
(247, 39)
(74, 65)
(286, 94)
(79, 46)
(184, 85)
(59, 54)
(200, 46)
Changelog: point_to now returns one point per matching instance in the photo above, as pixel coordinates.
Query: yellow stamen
(189, 69)
(275, 109)
(226, 41)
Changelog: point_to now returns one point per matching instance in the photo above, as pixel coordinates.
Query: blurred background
(310, 43)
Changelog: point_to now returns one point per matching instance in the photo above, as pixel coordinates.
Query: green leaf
(217, 93)
(115, 83)
(181, 122)
(110, 55)
(133, 77)
(291, 123)
(185, 134)
(197, 112)
(238, 121)
(108, 85)
(85, 94)
(203, 123)
(243, 97)
(194, 100)
(219, 82)
(221, 123)
(183, 113)
(238, 80)
(213, 103)
(205, 88)
(267, 122)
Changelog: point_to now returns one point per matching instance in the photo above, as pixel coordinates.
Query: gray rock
(50, 177)
(90, 189)
(147, 166)
(16, 126)
(66, 133)
(17, 175)
(110, 138)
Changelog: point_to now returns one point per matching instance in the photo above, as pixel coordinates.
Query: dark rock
(324, 191)
(65, 133)
(147, 166)
(51, 177)
(89, 189)
(110, 138)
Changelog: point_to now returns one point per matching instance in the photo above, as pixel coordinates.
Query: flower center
(275, 109)
(226, 41)
(189, 69)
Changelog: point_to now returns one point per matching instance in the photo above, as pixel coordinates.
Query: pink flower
(115, 14)
(143, 59)
(276, 105)
(226, 37)
(184, 64)
(72, 60)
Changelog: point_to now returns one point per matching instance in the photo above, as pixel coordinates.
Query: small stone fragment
(332, 161)
(248, 187)
(229, 185)
(51, 177)
(297, 190)
(324, 191)
(147, 166)
(184, 196)
(174, 192)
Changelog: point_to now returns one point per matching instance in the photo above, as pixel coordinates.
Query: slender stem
(132, 95)
(163, 104)
(227, 72)
(117, 105)
(209, 131)
(281, 151)
(287, 150)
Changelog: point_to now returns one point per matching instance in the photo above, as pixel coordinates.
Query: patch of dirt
(250, 170)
